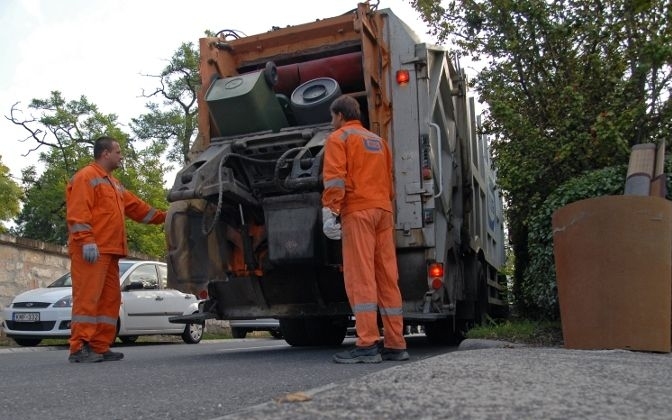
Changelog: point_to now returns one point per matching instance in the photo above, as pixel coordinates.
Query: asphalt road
(495, 383)
(266, 379)
(172, 381)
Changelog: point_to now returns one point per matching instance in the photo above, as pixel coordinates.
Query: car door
(142, 306)
(174, 302)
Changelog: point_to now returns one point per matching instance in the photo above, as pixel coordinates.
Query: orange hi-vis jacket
(97, 204)
(357, 172)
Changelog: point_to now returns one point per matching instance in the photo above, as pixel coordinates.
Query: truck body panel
(245, 216)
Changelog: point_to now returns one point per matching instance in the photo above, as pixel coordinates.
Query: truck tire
(482, 308)
(442, 332)
(277, 334)
(294, 332)
(237, 332)
(332, 331)
(313, 331)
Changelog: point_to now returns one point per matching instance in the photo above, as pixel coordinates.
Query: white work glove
(330, 226)
(90, 252)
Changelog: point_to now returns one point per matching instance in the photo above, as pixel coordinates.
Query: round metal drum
(311, 100)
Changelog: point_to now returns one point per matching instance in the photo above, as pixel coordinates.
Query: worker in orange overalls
(358, 190)
(96, 204)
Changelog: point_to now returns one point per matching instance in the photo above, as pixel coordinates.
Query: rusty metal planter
(613, 257)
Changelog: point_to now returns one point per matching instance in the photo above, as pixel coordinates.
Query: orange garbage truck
(244, 228)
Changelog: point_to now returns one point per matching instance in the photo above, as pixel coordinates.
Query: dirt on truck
(244, 227)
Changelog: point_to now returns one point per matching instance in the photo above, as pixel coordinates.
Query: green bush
(539, 289)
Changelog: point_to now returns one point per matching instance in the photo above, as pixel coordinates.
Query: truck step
(199, 317)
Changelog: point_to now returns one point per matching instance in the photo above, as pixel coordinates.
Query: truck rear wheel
(313, 331)
(237, 332)
(482, 308)
(442, 332)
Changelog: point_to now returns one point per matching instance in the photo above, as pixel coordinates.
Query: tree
(63, 133)
(11, 194)
(174, 125)
(570, 85)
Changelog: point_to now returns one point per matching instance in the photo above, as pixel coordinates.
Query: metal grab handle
(439, 158)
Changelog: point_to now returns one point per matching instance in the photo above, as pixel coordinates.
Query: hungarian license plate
(26, 316)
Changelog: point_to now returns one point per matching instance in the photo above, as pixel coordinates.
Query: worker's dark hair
(101, 144)
(346, 105)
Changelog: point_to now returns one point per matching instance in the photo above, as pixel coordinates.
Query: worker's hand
(90, 252)
(330, 225)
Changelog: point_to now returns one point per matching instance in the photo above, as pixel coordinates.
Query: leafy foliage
(570, 85)
(11, 194)
(64, 132)
(173, 123)
(538, 288)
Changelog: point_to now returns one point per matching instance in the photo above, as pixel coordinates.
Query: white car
(146, 305)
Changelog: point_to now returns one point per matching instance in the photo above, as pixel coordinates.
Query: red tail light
(435, 275)
(435, 270)
(203, 294)
(403, 77)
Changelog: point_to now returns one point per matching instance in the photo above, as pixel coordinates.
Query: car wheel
(238, 332)
(28, 342)
(193, 333)
(128, 339)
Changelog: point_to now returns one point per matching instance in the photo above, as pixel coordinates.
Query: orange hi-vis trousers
(96, 297)
(371, 276)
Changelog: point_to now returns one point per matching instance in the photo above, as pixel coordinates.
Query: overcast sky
(102, 48)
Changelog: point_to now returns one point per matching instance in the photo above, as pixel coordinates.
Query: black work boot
(85, 355)
(111, 356)
(369, 354)
(396, 355)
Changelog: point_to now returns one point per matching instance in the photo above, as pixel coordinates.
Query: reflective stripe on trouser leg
(387, 279)
(87, 286)
(359, 275)
(108, 309)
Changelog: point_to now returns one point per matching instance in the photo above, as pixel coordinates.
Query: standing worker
(358, 190)
(96, 204)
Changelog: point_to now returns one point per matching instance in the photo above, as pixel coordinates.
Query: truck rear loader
(244, 228)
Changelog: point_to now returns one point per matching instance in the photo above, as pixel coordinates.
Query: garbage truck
(244, 228)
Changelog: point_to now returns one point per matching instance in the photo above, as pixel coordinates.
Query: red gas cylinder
(346, 69)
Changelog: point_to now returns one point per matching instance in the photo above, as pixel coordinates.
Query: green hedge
(539, 288)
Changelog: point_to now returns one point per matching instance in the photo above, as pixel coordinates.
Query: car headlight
(65, 302)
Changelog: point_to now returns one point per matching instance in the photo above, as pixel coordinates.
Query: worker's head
(344, 108)
(107, 153)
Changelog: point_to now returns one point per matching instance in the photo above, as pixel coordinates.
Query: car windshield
(66, 280)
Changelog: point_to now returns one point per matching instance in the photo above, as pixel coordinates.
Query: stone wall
(27, 264)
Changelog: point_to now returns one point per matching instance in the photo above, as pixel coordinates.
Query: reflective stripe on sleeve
(335, 183)
(150, 216)
(80, 227)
